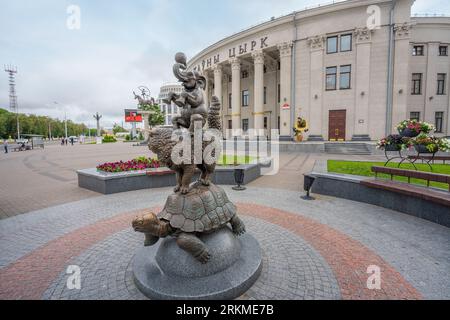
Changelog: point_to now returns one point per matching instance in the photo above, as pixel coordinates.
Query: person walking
(71, 141)
(6, 145)
(62, 141)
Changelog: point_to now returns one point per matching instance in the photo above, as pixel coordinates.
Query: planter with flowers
(430, 144)
(412, 128)
(146, 173)
(393, 142)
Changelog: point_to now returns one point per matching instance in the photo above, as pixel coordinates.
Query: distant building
(169, 110)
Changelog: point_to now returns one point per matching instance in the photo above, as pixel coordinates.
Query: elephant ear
(201, 80)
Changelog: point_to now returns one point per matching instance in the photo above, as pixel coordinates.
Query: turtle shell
(204, 208)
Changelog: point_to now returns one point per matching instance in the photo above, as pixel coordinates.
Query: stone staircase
(347, 148)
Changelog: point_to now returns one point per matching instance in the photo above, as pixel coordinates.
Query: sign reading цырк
(233, 52)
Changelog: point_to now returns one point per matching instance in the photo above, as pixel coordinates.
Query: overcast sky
(120, 46)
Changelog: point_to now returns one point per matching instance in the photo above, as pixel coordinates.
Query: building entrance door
(336, 125)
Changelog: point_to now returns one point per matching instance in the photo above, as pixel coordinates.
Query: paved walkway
(38, 179)
(311, 249)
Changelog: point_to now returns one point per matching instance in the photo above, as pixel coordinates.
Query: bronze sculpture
(162, 145)
(201, 207)
(191, 100)
(203, 210)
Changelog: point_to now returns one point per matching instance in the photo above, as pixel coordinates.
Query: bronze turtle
(202, 210)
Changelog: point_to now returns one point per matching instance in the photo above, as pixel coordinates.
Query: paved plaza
(318, 249)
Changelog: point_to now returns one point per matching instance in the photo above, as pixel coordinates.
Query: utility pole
(98, 117)
(12, 70)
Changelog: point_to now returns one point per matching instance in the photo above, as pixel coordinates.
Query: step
(347, 148)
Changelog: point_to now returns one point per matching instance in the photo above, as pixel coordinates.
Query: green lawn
(361, 168)
(226, 159)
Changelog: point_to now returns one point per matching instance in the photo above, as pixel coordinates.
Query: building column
(218, 83)
(206, 90)
(285, 90)
(363, 38)
(236, 95)
(317, 80)
(401, 74)
(258, 105)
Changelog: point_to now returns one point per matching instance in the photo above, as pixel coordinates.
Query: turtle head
(145, 223)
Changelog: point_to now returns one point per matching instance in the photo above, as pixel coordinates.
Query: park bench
(430, 158)
(429, 194)
(18, 147)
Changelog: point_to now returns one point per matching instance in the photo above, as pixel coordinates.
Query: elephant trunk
(178, 71)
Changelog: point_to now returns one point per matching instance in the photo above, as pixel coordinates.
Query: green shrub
(108, 139)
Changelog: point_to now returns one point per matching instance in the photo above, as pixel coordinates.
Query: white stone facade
(272, 73)
(169, 110)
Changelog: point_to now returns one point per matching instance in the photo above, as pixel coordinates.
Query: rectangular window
(414, 116)
(346, 42)
(229, 78)
(279, 93)
(230, 124)
(278, 124)
(332, 43)
(331, 78)
(245, 125)
(441, 83)
(229, 101)
(244, 74)
(443, 50)
(245, 98)
(345, 77)
(265, 69)
(417, 51)
(438, 117)
(265, 122)
(169, 108)
(265, 95)
(416, 86)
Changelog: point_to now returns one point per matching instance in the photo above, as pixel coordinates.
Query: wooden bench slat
(435, 177)
(432, 195)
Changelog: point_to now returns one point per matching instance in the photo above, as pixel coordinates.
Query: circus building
(352, 69)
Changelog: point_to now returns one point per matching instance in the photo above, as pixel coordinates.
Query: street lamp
(65, 118)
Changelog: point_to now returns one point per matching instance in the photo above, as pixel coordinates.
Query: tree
(117, 128)
(157, 117)
(33, 124)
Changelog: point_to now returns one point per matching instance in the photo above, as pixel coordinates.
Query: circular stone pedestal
(164, 271)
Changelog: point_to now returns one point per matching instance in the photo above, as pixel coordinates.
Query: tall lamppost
(65, 118)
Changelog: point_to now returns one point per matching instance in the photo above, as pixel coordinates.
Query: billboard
(131, 115)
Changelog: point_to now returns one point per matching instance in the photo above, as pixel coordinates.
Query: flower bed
(140, 163)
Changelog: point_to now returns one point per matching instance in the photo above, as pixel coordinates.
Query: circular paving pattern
(303, 259)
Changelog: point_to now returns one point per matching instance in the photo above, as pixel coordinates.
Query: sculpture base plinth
(234, 266)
